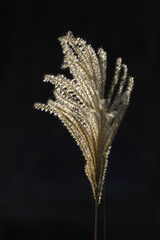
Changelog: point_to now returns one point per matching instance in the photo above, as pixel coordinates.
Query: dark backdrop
(44, 193)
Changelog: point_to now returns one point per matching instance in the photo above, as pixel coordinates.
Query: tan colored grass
(92, 120)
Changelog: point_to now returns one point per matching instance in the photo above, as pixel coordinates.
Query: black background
(44, 191)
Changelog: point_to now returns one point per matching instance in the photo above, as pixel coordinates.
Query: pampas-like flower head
(92, 120)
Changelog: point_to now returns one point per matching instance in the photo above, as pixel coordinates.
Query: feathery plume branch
(92, 120)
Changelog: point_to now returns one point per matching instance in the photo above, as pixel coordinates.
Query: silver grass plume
(92, 120)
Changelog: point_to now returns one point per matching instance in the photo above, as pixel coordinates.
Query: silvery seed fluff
(92, 120)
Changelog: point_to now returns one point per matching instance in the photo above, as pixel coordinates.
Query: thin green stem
(104, 213)
(96, 221)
